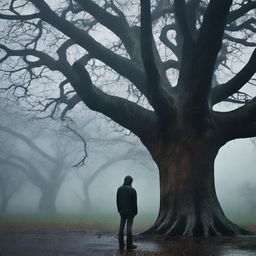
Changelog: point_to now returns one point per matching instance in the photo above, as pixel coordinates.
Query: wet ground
(80, 243)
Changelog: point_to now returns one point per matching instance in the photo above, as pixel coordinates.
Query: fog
(93, 148)
(234, 168)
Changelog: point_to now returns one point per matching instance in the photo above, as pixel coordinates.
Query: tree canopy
(103, 37)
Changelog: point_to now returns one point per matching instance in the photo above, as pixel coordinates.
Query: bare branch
(122, 111)
(156, 95)
(203, 57)
(181, 16)
(28, 141)
(245, 8)
(117, 24)
(44, 58)
(62, 50)
(192, 8)
(164, 39)
(81, 162)
(248, 24)
(171, 64)
(241, 41)
(163, 8)
(211, 32)
(20, 17)
(221, 92)
(238, 123)
(25, 167)
(121, 65)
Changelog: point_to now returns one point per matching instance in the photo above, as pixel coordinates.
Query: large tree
(178, 124)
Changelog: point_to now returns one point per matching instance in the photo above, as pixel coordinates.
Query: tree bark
(188, 202)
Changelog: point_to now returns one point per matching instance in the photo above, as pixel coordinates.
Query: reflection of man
(126, 200)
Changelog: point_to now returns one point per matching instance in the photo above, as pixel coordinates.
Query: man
(126, 200)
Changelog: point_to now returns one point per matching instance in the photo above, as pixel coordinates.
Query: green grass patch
(88, 221)
(242, 219)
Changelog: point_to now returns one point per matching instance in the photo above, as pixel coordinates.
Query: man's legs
(129, 233)
(121, 230)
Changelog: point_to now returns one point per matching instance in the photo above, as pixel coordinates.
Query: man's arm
(135, 203)
(117, 201)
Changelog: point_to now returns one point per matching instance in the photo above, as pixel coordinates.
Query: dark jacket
(126, 200)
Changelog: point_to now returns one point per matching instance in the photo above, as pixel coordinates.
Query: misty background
(94, 165)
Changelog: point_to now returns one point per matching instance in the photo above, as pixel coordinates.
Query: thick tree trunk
(188, 200)
(47, 201)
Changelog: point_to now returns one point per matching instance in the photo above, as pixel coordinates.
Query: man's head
(128, 180)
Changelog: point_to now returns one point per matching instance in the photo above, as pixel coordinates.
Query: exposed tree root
(189, 225)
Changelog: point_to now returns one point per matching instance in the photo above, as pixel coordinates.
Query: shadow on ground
(62, 243)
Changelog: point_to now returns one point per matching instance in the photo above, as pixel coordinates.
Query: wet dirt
(71, 243)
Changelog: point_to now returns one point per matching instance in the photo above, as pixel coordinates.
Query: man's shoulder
(131, 189)
(134, 190)
(119, 188)
(123, 187)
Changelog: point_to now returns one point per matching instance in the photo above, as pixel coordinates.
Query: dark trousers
(128, 220)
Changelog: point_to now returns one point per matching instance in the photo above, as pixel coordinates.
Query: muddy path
(79, 243)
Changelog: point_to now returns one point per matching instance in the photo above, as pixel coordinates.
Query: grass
(93, 221)
(241, 219)
(107, 222)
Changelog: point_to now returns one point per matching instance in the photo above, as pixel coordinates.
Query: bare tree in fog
(174, 117)
(47, 172)
(10, 184)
